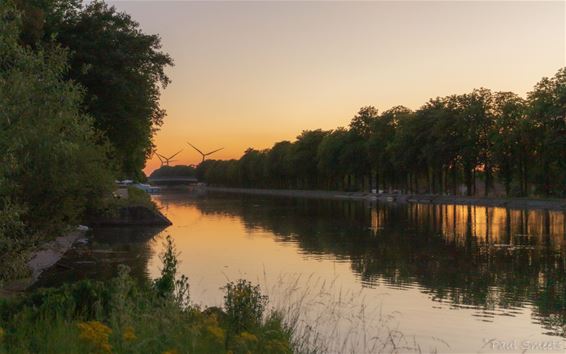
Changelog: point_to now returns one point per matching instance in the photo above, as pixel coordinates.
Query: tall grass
(323, 320)
(296, 314)
(124, 316)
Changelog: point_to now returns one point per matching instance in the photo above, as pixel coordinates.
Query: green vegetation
(120, 68)
(479, 143)
(114, 204)
(54, 164)
(79, 91)
(174, 171)
(124, 316)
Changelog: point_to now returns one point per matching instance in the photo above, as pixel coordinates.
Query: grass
(124, 316)
(138, 197)
(323, 320)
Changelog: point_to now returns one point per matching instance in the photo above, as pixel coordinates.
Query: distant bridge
(172, 180)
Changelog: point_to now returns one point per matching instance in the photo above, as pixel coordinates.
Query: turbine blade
(194, 147)
(177, 153)
(212, 152)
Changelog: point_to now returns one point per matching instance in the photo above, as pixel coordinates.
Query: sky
(248, 74)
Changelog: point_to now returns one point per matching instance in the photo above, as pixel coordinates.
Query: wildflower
(129, 334)
(248, 337)
(216, 332)
(245, 342)
(2, 333)
(96, 334)
(171, 351)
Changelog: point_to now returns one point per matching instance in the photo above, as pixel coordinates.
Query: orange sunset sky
(248, 74)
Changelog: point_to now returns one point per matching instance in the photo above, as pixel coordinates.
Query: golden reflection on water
(495, 226)
(455, 272)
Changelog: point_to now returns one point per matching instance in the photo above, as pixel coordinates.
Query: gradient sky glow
(248, 74)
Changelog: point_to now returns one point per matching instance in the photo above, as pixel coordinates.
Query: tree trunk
(487, 180)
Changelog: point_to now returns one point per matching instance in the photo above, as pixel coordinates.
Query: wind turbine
(202, 153)
(166, 160)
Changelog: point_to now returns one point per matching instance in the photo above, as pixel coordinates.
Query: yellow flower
(248, 337)
(96, 334)
(2, 334)
(217, 333)
(129, 334)
(171, 351)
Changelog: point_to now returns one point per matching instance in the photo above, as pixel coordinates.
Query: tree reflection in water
(492, 259)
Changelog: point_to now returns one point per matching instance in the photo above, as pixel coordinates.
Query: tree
(547, 112)
(330, 162)
(54, 163)
(362, 122)
(382, 130)
(303, 157)
(446, 142)
(252, 168)
(121, 68)
(509, 110)
(278, 164)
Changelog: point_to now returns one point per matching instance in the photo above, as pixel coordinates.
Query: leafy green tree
(174, 171)
(381, 135)
(473, 122)
(330, 165)
(252, 168)
(547, 112)
(278, 164)
(510, 113)
(356, 154)
(121, 68)
(54, 163)
(403, 149)
(303, 157)
(451, 140)
(363, 122)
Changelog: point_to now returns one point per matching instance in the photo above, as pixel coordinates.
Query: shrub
(125, 316)
(244, 305)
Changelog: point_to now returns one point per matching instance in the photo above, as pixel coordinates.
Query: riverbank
(112, 317)
(513, 203)
(43, 258)
(131, 208)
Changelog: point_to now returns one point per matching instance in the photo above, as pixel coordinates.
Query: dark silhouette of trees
(478, 143)
(120, 68)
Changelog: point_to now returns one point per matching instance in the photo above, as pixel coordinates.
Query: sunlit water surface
(423, 277)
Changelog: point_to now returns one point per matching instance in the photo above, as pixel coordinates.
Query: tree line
(478, 143)
(79, 90)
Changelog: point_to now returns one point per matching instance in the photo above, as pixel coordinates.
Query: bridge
(172, 180)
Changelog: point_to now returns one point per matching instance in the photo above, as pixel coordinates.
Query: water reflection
(98, 259)
(464, 274)
(493, 260)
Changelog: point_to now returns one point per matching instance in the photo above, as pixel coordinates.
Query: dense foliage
(479, 143)
(54, 163)
(79, 91)
(174, 171)
(125, 316)
(120, 68)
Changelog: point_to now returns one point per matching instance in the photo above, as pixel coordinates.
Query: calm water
(445, 278)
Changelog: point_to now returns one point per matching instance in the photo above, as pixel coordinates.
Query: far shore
(512, 203)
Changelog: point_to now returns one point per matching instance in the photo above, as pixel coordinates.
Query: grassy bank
(124, 316)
